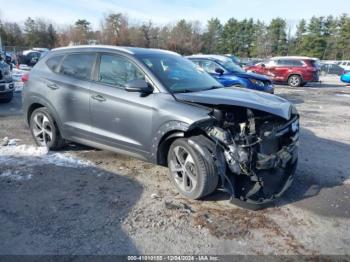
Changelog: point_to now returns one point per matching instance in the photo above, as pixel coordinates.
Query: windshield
(229, 65)
(178, 74)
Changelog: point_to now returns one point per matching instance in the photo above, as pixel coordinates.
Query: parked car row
(225, 71)
(6, 82)
(32, 56)
(12, 68)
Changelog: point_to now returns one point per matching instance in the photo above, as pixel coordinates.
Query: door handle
(52, 86)
(98, 98)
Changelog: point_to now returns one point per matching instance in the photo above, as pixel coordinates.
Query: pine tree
(212, 37)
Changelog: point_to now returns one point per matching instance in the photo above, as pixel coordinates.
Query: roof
(126, 49)
(294, 57)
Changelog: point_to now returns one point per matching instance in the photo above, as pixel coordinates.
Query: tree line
(321, 37)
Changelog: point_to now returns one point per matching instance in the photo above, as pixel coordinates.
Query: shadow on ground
(65, 210)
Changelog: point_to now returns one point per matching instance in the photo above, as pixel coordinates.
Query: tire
(7, 98)
(44, 129)
(201, 178)
(294, 81)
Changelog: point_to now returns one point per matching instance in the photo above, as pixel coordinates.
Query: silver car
(157, 106)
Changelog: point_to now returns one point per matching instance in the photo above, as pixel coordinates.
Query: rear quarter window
(54, 62)
(78, 65)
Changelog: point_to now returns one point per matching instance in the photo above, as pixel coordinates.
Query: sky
(169, 11)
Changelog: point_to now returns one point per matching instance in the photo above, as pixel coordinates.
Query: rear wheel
(44, 129)
(192, 174)
(294, 81)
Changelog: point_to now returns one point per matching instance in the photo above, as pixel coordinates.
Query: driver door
(210, 67)
(120, 118)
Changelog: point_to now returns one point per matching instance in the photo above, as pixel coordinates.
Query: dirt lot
(86, 201)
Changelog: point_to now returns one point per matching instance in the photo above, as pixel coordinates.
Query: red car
(295, 71)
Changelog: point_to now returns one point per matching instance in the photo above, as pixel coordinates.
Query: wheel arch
(295, 74)
(168, 133)
(37, 103)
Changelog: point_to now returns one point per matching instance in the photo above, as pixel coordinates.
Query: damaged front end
(256, 153)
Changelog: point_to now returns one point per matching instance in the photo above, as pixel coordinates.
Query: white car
(345, 65)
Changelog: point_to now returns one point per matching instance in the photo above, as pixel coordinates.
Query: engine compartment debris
(256, 152)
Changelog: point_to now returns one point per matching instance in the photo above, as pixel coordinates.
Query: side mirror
(219, 71)
(138, 85)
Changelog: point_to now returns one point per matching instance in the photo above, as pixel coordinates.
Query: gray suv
(157, 106)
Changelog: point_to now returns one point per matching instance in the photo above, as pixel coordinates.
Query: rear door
(120, 118)
(283, 68)
(69, 92)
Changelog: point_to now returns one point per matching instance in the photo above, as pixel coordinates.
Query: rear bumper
(312, 78)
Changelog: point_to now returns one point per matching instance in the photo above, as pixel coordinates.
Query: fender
(163, 133)
(174, 129)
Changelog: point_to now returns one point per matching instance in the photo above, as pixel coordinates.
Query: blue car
(230, 74)
(345, 77)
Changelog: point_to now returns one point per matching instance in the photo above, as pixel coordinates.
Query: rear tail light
(25, 77)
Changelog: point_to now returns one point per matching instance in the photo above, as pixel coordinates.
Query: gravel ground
(87, 201)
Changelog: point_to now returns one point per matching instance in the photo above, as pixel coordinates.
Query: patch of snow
(15, 175)
(344, 95)
(29, 156)
(22, 150)
(67, 160)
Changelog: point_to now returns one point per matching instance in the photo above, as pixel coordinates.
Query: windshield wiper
(184, 91)
(210, 88)
(196, 90)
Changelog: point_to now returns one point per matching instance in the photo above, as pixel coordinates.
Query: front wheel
(192, 174)
(44, 129)
(294, 81)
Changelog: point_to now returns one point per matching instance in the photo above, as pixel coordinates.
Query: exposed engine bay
(256, 153)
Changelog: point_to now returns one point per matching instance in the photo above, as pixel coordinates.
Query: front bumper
(256, 205)
(6, 87)
(274, 172)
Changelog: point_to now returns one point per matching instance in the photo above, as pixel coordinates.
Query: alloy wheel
(42, 129)
(294, 81)
(183, 169)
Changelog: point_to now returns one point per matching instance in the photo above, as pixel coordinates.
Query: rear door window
(78, 65)
(54, 62)
(297, 63)
(117, 70)
(289, 62)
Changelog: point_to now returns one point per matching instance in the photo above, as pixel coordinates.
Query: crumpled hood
(240, 97)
